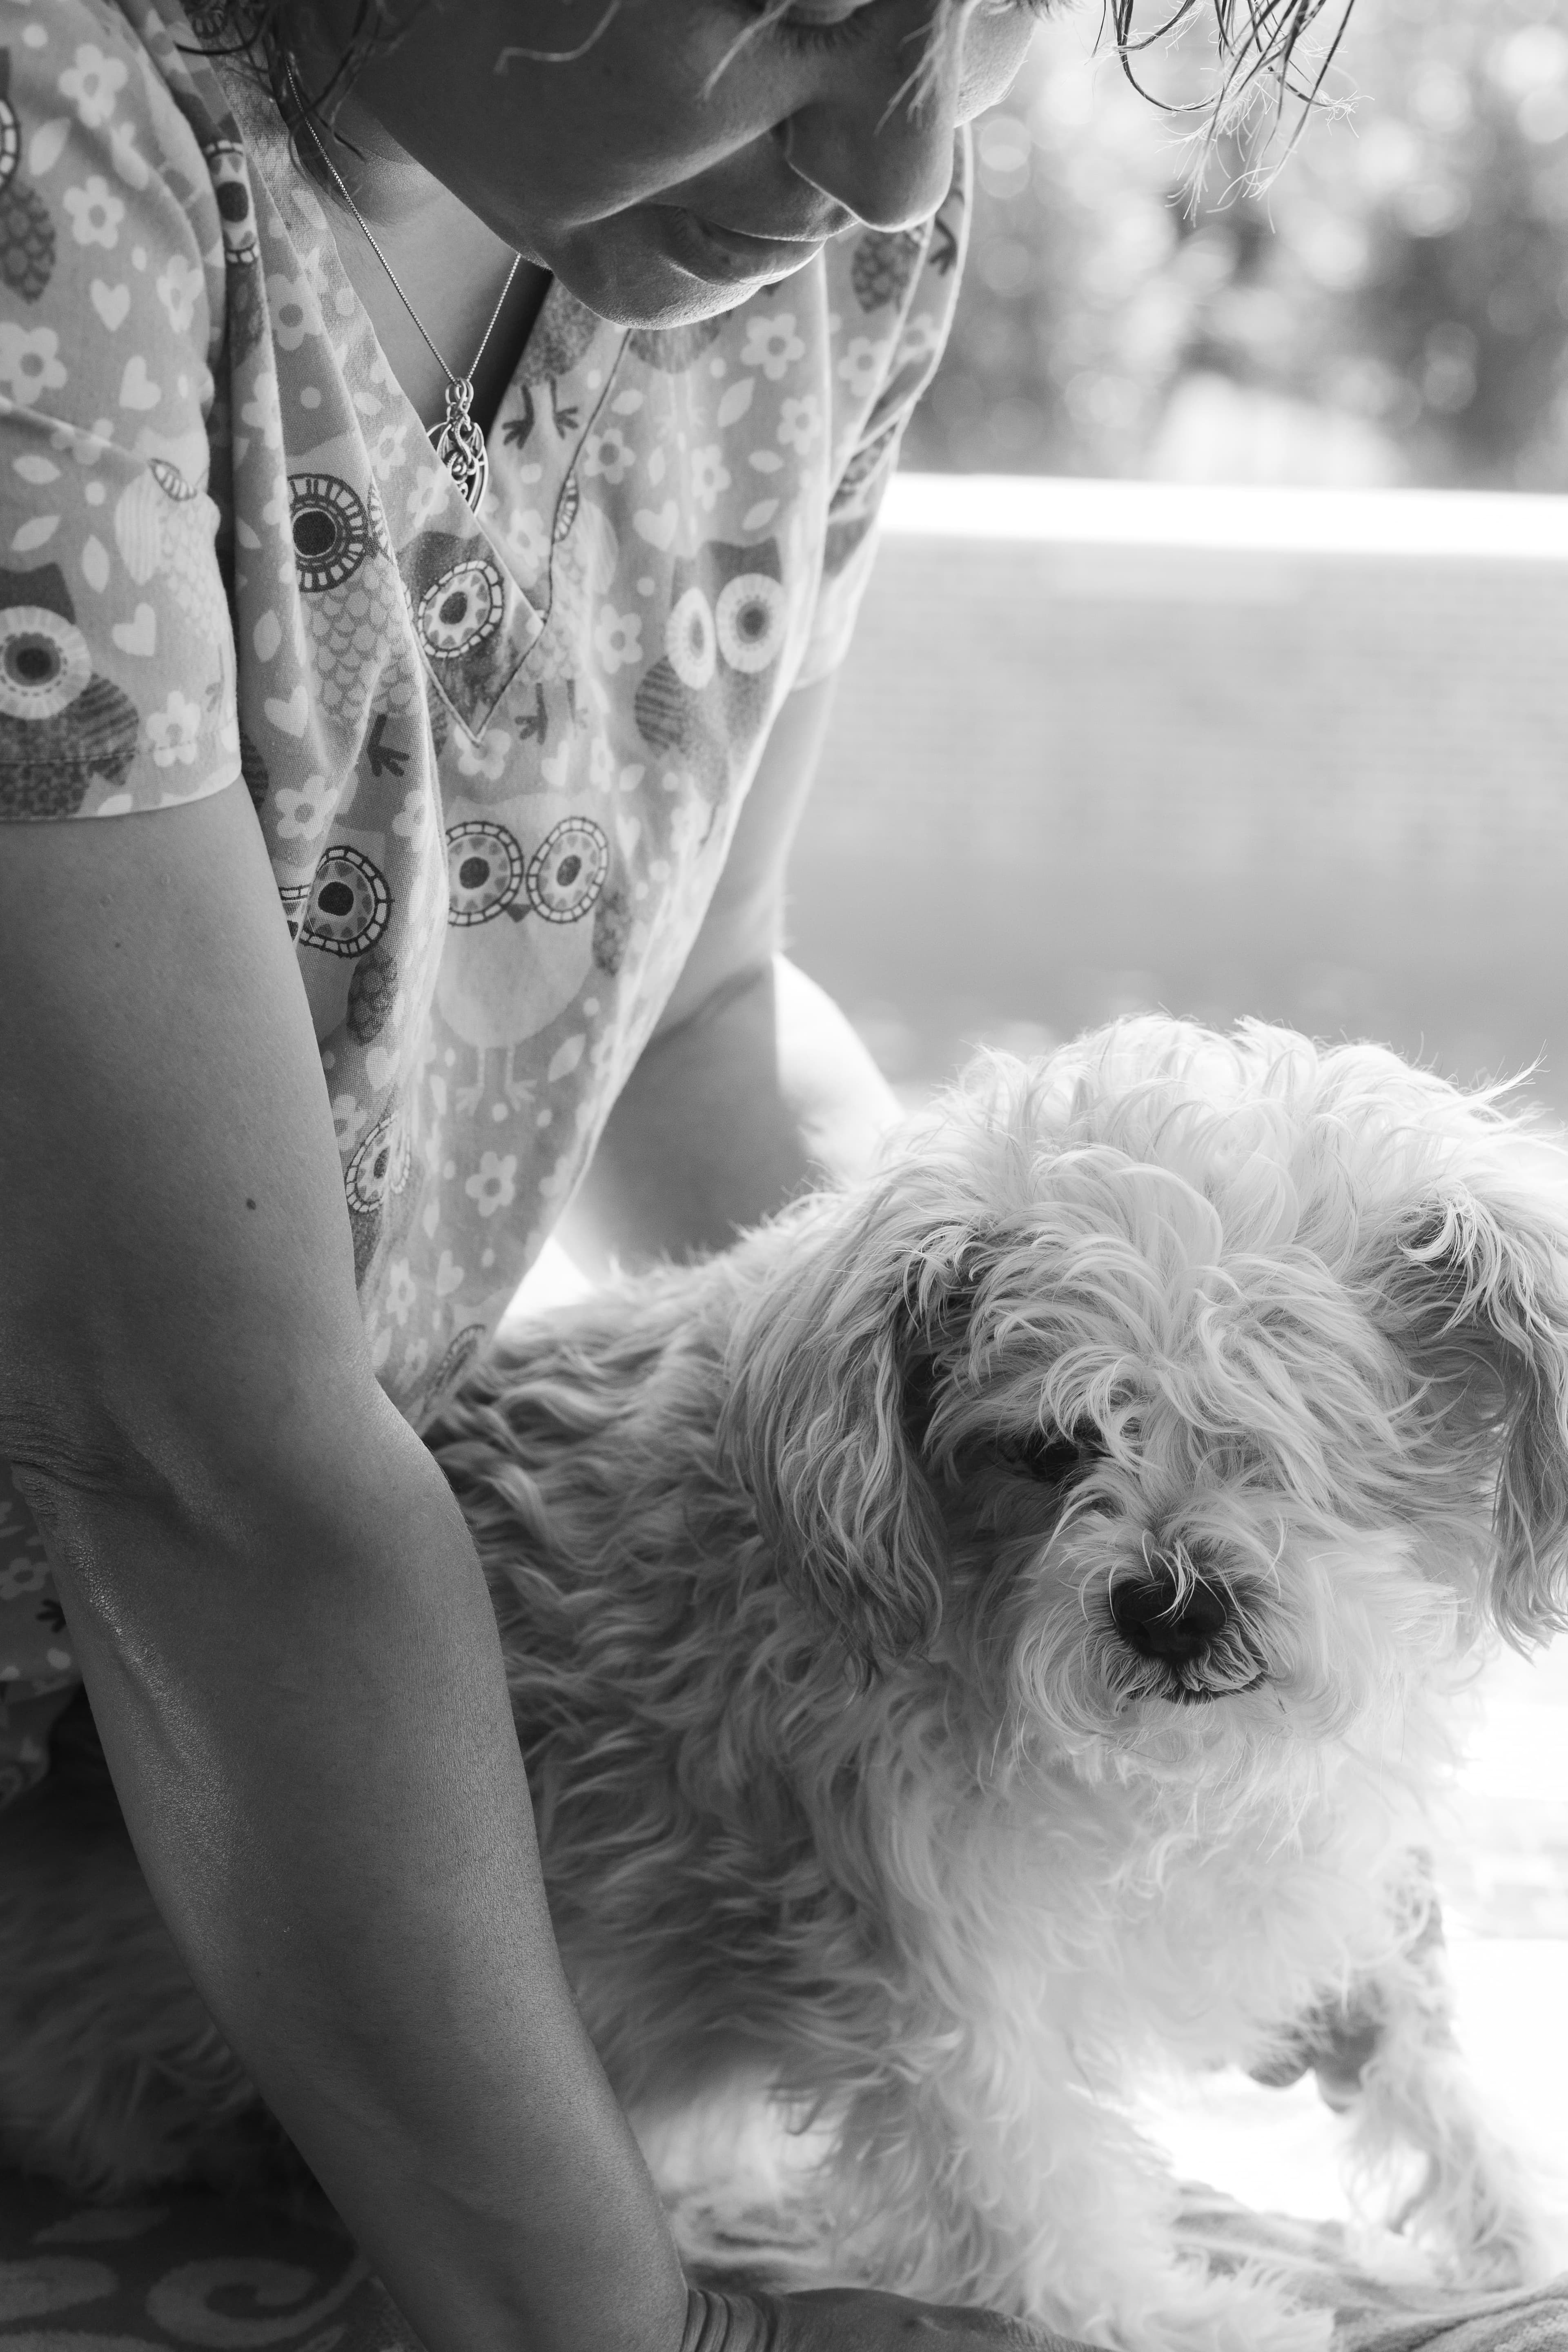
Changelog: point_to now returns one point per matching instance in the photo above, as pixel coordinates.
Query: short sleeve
(893, 298)
(116, 646)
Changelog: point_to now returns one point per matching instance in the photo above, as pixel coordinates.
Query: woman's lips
(709, 250)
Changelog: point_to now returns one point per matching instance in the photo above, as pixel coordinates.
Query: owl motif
(673, 349)
(230, 174)
(372, 995)
(562, 334)
(856, 501)
(461, 603)
(456, 1358)
(162, 527)
(705, 700)
(376, 1186)
(611, 931)
(231, 186)
(883, 266)
(27, 230)
(348, 597)
(524, 877)
(62, 728)
(341, 914)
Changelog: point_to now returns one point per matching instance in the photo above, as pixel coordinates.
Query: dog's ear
(1475, 1295)
(830, 1389)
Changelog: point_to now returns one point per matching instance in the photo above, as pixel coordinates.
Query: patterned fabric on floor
(188, 2271)
(1373, 2315)
(180, 2271)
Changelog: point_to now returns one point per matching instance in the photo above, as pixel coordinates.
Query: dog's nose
(1162, 1613)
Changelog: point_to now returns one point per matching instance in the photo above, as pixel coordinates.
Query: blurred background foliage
(1392, 307)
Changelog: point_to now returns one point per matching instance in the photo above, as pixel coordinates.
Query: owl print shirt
(497, 761)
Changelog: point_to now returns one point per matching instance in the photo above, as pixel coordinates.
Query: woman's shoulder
(114, 676)
(109, 123)
(120, 70)
(95, 44)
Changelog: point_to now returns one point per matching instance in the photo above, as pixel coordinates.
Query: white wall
(1296, 752)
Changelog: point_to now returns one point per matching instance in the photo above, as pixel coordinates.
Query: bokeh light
(1390, 308)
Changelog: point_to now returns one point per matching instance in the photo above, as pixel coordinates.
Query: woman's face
(696, 147)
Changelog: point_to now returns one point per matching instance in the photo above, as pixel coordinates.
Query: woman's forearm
(308, 1729)
(763, 1089)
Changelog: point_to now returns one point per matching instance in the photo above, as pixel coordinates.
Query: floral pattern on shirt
(497, 761)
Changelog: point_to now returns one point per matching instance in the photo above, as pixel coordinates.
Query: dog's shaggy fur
(992, 1633)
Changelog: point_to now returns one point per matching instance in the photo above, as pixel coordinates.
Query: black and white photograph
(783, 1176)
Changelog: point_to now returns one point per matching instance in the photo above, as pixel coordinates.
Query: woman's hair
(1261, 44)
(268, 32)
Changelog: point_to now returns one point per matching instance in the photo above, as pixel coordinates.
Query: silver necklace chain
(459, 444)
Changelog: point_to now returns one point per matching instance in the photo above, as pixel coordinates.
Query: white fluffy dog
(990, 1635)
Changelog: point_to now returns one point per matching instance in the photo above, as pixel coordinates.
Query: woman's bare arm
(753, 1083)
(289, 1645)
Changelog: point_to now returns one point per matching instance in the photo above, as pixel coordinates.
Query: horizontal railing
(1458, 524)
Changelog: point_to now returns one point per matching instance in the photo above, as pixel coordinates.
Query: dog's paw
(1475, 2209)
(1488, 2236)
(1196, 2310)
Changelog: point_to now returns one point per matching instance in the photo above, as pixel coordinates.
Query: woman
(267, 1177)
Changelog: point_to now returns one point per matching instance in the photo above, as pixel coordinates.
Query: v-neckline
(268, 143)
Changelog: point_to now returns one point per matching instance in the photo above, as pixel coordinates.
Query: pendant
(460, 446)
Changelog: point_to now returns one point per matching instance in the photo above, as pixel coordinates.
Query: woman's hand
(855, 2319)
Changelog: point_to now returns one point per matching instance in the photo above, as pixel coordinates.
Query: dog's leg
(1048, 2205)
(1420, 2145)
(112, 2075)
(934, 2167)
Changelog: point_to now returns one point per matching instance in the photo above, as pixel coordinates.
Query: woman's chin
(653, 305)
(634, 280)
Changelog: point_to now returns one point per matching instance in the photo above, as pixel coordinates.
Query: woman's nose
(881, 142)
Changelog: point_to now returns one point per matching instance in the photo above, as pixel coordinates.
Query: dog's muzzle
(1172, 1614)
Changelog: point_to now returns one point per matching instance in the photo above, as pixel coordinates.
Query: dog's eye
(1052, 1455)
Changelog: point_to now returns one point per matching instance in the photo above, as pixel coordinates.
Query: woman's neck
(451, 267)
